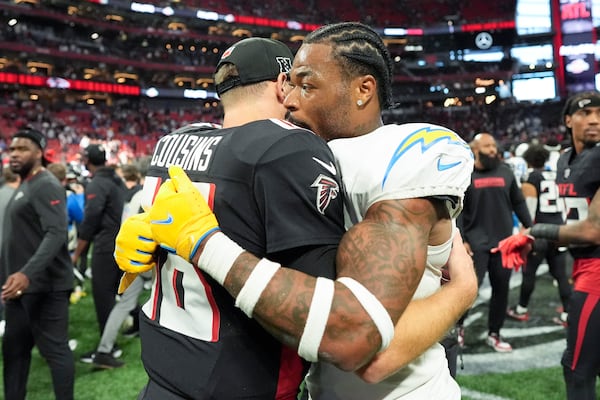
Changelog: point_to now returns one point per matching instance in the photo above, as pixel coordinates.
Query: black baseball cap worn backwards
(257, 60)
(36, 137)
(95, 154)
(581, 101)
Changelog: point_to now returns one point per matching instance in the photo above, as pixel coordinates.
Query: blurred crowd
(131, 128)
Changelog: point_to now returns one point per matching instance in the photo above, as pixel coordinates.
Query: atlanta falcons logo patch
(327, 190)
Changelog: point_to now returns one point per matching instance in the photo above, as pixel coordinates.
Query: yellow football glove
(180, 218)
(134, 246)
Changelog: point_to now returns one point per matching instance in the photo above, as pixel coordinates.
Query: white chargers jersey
(518, 165)
(400, 162)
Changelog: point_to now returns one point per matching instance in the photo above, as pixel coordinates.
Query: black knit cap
(36, 137)
(257, 60)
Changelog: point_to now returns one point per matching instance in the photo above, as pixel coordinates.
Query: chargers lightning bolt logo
(327, 190)
(426, 137)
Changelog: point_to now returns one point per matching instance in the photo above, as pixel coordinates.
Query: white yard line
(544, 355)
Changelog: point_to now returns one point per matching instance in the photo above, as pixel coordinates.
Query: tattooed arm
(425, 321)
(386, 253)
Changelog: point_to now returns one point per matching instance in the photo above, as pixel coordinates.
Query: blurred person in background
(134, 206)
(135, 203)
(76, 183)
(554, 148)
(75, 205)
(104, 201)
(107, 353)
(132, 178)
(542, 198)
(517, 163)
(128, 300)
(37, 274)
(10, 181)
(487, 218)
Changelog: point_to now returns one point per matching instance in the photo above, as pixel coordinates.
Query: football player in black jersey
(270, 184)
(578, 183)
(360, 326)
(578, 180)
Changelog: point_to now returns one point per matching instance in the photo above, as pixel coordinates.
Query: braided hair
(360, 51)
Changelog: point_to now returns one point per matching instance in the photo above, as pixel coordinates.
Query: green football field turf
(531, 372)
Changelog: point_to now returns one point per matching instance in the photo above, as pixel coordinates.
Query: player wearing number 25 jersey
(578, 183)
(275, 189)
(549, 208)
(578, 180)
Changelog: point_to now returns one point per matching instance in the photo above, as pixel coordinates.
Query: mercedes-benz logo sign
(484, 40)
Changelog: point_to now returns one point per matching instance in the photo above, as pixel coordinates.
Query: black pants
(82, 264)
(105, 282)
(452, 349)
(499, 281)
(557, 265)
(40, 319)
(581, 359)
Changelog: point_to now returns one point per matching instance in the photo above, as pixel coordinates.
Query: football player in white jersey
(389, 163)
(401, 238)
(400, 162)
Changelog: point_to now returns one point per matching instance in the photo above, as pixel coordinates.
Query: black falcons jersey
(273, 187)
(578, 180)
(549, 205)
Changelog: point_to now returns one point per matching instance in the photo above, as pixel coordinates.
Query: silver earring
(359, 102)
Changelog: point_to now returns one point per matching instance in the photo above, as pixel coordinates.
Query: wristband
(374, 308)
(256, 283)
(202, 239)
(316, 321)
(218, 256)
(545, 231)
